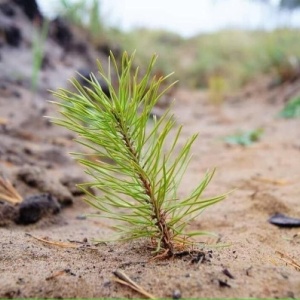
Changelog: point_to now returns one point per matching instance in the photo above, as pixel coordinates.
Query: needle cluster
(139, 184)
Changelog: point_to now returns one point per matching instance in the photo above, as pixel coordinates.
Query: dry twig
(273, 181)
(55, 243)
(8, 192)
(57, 274)
(288, 260)
(125, 280)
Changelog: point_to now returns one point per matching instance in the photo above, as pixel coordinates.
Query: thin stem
(166, 236)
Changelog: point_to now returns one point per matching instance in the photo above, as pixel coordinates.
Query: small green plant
(85, 14)
(140, 187)
(38, 54)
(73, 12)
(291, 109)
(245, 138)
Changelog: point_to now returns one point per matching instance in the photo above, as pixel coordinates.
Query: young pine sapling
(140, 187)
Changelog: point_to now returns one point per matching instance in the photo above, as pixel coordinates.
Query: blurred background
(221, 43)
(191, 17)
(217, 44)
(237, 63)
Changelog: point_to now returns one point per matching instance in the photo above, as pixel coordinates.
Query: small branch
(125, 280)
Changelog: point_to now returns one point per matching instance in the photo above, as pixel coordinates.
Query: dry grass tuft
(8, 192)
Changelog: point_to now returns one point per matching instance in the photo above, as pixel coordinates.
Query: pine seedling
(139, 186)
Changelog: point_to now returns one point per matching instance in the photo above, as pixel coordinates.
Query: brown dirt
(263, 178)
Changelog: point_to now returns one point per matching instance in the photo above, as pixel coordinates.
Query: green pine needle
(140, 187)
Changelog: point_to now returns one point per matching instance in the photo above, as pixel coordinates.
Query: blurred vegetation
(221, 61)
(38, 54)
(291, 109)
(245, 138)
(85, 15)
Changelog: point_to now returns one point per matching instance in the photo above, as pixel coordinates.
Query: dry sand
(263, 178)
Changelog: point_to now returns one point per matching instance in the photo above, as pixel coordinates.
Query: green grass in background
(231, 57)
(85, 15)
(38, 54)
(236, 56)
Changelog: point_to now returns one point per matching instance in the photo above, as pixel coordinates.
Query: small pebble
(176, 294)
(282, 220)
(106, 283)
(33, 208)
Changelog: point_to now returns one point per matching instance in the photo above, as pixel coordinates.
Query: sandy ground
(263, 179)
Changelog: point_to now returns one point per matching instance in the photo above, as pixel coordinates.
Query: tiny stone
(176, 294)
(291, 295)
(81, 217)
(33, 208)
(106, 283)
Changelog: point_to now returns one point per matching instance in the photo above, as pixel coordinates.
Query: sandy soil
(263, 178)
